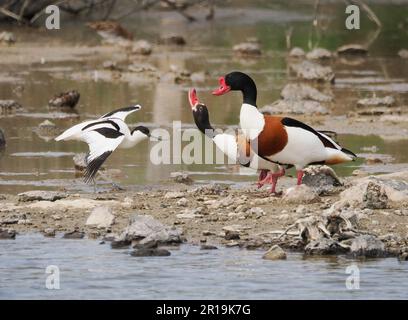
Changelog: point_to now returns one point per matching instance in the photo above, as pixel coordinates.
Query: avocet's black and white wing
(102, 137)
(122, 113)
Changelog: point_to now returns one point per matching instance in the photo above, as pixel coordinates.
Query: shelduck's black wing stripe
(94, 165)
(109, 133)
(115, 125)
(289, 122)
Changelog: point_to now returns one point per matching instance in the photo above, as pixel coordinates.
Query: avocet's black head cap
(142, 129)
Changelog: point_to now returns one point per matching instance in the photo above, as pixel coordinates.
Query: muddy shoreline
(217, 215)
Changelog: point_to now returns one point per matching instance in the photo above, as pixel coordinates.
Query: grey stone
(7, 234)
(80, 161)
(101, 217)
(322, 179)
(352, 49)
(300, 195)
(7, 37)
(49, 232)
(301, 91)
(403, 53)
(319, 54)
(309, 70)
(323, 246)
(150, 253)
(231, 235)
(297, 52)
(142, 47)
(208, 247)
(247, 49)
(275, 253)
(75, 234)
(368, 246)
(386, 101)
(375, 197)
(147, 228)
(9, 106)
(39, 195)
(181, 177)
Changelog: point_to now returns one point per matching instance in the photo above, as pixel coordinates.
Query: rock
(322, 179)
(80, 161)
(47, 129)
(150, 253)
(352, 49)
(120, 244)
(101, 217)
(110, 65)
(367, 246)
(213, 189)
(275, 253)
(9, 106)
(323, 246)
(393, 186)
(174, 195)
(146, 228)
(75, 234)
(403, 53)
(172, 40)
(2, 139)
(191, 213)
(319, 54)
(386, 101)
(142, 68)
(296, 52)
(257, 212)
(300, 195)
(181, 177)
(300, 91)
(142, 47)
(39, 195)
(295, 107)
(247, 49)
(49, 232)
(375, 197)
(7, 234)
(231, 235)
(199, 76)
(67, 99)
(208, 247)
(7, 37)
(182, 202)
(308, 70)
(403, 254)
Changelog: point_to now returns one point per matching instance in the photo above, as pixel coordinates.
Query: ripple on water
(89, 270)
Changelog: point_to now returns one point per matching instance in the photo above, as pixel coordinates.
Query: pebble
(173, 39)
(145, 252)
(73, 235)
(297, 52)
(208, 247)
(7, 234)
(275, 253)
(174, 195)
(319, 54)
(142, 47)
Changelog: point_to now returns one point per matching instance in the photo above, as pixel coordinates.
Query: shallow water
(208, 49)
(89, 270)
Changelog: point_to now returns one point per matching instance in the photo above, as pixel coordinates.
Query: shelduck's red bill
(223, 89)
(192, 97)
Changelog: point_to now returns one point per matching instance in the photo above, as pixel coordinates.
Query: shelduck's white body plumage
(280, 139)
(104, 135)
(303, 147)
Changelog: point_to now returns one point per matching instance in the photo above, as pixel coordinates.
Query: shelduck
(235, 147)
(104, 135)
(282, 140)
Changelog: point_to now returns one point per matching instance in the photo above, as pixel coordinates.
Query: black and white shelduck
(280, 139)
(104, 135)
(234, 146)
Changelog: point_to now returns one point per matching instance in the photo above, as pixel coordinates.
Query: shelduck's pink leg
(299, 177)
(263, 178)
(274, 179)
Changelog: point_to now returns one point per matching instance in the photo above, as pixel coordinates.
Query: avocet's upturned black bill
(104, 135)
